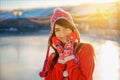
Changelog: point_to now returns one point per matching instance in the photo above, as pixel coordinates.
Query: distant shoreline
(46, 33)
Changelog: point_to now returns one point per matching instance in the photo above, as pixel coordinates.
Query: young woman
(71, 60)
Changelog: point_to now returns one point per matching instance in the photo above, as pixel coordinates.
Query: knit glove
(69, 48)
(59, 49)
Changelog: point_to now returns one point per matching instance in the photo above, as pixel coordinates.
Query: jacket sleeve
(83, 70)
(56, 73)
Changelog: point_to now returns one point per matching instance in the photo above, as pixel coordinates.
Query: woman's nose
(61, 34)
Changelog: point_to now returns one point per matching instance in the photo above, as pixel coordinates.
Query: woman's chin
(63, 41)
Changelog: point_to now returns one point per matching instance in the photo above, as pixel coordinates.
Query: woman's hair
(66, 24)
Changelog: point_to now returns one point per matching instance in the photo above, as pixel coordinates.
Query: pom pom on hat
(42, 74)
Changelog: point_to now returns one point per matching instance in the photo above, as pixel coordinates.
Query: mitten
(59, 48)
(69, 48)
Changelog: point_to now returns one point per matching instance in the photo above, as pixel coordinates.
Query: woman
(71, 60)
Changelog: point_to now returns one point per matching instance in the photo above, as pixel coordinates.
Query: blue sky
(23, 4)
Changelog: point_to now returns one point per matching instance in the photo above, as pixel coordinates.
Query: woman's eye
(57, 29)
(67, 30)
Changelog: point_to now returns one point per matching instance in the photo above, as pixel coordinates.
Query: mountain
(25, 20)
(26, 13)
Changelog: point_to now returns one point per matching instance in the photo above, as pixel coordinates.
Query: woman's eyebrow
(57, 29)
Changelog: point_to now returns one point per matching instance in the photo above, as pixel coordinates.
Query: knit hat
(57, 14)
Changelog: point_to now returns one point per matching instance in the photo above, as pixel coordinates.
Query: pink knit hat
(57, 14)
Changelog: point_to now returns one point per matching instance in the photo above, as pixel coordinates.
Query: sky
(28, 4)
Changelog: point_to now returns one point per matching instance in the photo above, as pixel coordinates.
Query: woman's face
(62, 33)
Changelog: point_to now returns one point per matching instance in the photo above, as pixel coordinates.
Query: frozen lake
(22, 57)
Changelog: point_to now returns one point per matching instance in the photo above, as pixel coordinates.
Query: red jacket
(81, 71)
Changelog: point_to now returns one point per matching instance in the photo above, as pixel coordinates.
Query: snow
(22, 57)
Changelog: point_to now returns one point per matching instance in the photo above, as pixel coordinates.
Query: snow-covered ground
(22, 57)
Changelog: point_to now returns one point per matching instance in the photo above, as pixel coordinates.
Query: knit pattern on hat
(58, 14)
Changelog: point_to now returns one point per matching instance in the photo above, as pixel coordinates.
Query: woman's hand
(69, 48)
(59, 48)
(66, 53)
